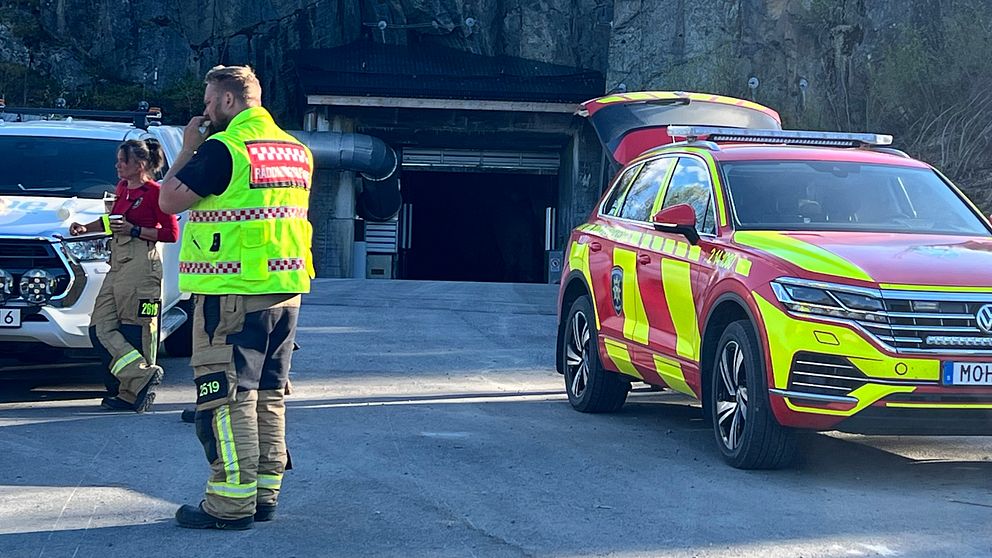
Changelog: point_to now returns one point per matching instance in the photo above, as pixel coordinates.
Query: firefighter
(124, 323)
(246, 256)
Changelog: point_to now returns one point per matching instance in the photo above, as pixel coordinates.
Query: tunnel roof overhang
(365, 74)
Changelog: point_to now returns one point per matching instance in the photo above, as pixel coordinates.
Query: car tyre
(180, 342)
(746, 431)
(590, 387)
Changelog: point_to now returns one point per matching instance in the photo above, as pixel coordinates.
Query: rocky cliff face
(85, 47)
(916, 68)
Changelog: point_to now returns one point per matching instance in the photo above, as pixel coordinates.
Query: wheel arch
(575, 288)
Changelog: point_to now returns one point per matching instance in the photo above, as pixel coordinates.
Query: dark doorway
(476, 226)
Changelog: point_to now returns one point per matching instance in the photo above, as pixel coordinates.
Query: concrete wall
(332, 211)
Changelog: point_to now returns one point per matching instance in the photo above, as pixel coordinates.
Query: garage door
(460, 160)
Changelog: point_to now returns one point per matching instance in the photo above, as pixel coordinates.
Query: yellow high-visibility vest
(255, 237)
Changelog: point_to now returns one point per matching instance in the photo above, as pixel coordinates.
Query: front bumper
(827, 376)
(64, 328)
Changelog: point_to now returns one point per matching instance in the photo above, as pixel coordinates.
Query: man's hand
(75, 229)
(192, 136)
(120, 226)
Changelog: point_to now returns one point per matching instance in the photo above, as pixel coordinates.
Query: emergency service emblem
(616, 289)
(278, 164)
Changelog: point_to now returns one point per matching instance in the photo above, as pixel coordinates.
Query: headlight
(37, 286)
(6, 286)
(828, 299)
(93, 250)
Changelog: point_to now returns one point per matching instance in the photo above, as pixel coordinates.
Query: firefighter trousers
(125, 317)
(242, 350)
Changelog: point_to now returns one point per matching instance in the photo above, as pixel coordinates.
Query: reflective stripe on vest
(255, 237)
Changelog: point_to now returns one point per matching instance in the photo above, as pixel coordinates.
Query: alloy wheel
(731, 396)
(577, 354)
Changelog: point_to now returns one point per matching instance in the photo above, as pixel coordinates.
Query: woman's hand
(121, 226)
(75, 229)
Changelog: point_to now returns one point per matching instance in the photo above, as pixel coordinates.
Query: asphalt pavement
(427, 420)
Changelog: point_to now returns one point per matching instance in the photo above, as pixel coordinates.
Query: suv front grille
(20, 255)
(824, 375)
(932, 322)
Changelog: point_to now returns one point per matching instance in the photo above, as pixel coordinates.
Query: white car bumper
(62, 327)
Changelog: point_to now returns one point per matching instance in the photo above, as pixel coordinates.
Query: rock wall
(94, 51)
(917, 69)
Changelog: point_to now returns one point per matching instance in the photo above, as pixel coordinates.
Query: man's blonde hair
(239, 81)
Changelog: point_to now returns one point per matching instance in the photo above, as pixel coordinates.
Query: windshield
(827, 195)
(64, 167)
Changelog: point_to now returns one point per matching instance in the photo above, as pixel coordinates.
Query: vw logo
(984, 318)
(616, 290)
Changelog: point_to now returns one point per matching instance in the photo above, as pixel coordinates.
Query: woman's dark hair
(148, 151)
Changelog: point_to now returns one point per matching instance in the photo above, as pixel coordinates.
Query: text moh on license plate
(967, 373)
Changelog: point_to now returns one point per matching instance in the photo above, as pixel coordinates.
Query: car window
(615, 201)
(63, 167)
(616, 198)
(643, 193)
(827, 195)
(691, 185)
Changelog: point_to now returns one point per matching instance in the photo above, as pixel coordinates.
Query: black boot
(116, 404)
(188, 415)
(265, 512)
(193, 517)
(146, 396)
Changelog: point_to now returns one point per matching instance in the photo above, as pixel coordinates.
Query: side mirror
(678, 219)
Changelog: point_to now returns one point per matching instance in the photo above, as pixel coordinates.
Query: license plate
(967, 374)
(10, 317)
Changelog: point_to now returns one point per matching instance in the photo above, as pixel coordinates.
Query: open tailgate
(629, 124)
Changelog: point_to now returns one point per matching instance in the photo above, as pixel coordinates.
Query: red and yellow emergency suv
(786, 279)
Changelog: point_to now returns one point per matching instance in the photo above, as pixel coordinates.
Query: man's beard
(222, 122)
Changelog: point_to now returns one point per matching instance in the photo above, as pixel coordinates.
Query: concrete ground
(428, 421)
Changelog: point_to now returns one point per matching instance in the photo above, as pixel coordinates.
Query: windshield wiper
(44, 188)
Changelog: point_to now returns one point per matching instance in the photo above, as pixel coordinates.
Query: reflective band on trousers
(271, 482)
(225, 438)
(224, 268)
(124, 361)
(231, 490)
(250, 214)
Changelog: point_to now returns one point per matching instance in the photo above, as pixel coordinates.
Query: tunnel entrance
(476, 226)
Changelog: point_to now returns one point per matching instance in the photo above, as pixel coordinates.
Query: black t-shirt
(208, 172)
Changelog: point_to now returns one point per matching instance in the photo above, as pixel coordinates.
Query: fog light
(6, 286)
(37, 286)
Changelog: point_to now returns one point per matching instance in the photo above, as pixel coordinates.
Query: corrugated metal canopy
(541, 162)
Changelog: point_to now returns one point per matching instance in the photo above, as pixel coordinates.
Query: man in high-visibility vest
(245, 254)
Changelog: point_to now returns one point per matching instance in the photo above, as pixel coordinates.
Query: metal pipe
(367, 155)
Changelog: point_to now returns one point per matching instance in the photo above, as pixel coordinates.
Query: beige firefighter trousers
(242, 348)
(131, 294)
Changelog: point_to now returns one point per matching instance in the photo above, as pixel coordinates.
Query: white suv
(54, 172)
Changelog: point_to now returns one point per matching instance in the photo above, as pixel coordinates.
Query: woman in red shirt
(125, 318)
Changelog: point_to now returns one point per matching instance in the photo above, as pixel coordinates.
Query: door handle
(644, 259)
(595, 246)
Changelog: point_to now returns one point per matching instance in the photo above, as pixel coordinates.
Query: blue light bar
(785, 137)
